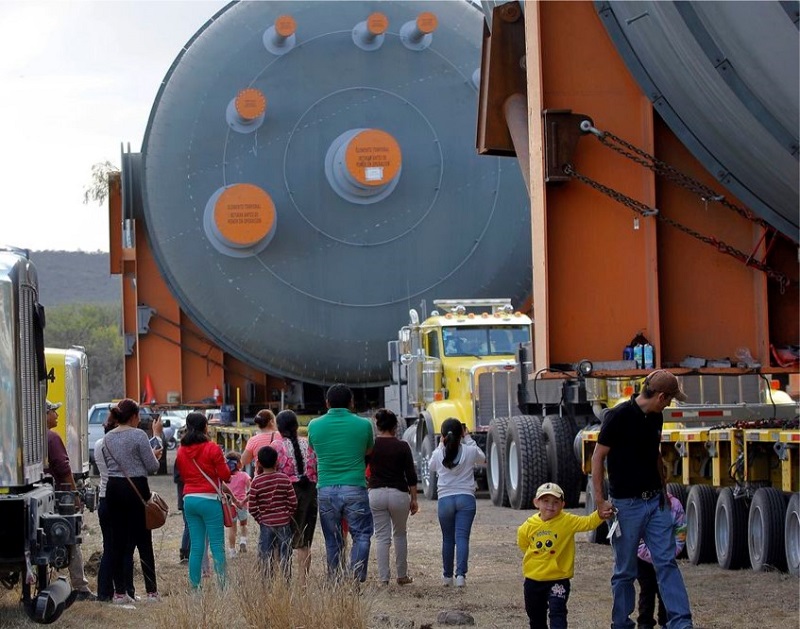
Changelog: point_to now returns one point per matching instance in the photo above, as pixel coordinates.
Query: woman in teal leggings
(202, 466)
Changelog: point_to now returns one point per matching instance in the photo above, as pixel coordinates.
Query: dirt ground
(493, 596)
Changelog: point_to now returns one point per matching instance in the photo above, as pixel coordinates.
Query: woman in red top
(197, 458)
(267, 435)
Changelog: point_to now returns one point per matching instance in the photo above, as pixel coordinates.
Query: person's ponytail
(452, 431)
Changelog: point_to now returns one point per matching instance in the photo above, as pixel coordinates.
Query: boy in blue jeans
(272, 504)
(548, 541)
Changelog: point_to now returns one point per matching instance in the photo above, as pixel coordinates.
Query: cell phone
(155, 443)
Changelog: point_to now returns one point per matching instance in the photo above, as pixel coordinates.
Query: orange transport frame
(597, 280)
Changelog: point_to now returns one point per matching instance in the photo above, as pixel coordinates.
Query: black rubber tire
(428, 479)
(496, 461)
(526, 460)
(700, 507)
(792, 535)
(730, 531)
(559, 437)
(680, 491)
(598, 535)
(765, 530)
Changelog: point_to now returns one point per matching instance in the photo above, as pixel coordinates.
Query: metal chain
(645, 210)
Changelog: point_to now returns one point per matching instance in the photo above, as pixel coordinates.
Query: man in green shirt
(342, 440)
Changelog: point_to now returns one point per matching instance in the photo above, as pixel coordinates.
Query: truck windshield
(484, 340)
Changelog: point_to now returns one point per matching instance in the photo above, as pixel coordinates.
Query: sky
(77, 79)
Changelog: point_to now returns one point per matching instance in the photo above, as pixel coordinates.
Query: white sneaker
(231, 552)
(447, 581)
(461, 581)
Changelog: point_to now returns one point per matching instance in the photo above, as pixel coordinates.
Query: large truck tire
(496, 461)
(765, 529)
(700, 506)
(681, 492)
(526, 460)
(428, 478)
(598, 535)
(559, 436)
(792, 535)
(730, 531)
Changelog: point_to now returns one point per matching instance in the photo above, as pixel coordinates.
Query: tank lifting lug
(562, 130)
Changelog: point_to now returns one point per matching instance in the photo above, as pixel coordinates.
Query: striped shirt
(272, 499)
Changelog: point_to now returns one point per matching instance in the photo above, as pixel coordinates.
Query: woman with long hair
(297, 460)
(202, 467)
(267, 435)
(454, 461)
(129, 458)
(392, 495)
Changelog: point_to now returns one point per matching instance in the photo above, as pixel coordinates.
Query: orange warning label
(244, 214)
(373, 157)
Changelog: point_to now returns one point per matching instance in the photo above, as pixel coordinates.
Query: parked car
(98, 414)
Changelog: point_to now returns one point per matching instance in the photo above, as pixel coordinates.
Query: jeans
(647, 520)
(390, 511)
(350, 503)
(204, 516)
(126, 519)
(456, 514)
(271, 538)
(543, 595)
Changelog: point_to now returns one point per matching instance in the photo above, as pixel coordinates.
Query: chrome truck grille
(32, 411)
(497, 396)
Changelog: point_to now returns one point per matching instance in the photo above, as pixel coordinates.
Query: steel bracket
(562, 130)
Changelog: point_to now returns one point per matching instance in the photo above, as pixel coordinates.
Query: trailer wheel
(427, 478)
(681, 492)
(792, 535)
(598, 535)
(700, 524)
(730, 531)
(559, 435)
(765, 534)
(496, 461)
(526, 459)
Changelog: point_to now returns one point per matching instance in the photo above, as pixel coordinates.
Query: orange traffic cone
(217, 396)
(149, 396)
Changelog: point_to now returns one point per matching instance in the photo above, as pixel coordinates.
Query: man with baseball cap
(630, 440)
(59, 468)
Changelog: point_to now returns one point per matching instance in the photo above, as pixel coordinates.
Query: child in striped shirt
(272, 502)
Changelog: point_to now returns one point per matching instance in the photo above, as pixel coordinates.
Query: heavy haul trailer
(736, 470)
(654, 210)
(38, 524)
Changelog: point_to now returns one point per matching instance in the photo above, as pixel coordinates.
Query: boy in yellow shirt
(548, 541)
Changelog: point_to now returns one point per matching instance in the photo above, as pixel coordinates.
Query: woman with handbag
(129, 458)
(202, 467)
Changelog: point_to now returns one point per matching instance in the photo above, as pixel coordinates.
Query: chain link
(645, 210)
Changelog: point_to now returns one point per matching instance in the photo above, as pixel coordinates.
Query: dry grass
(251, 601)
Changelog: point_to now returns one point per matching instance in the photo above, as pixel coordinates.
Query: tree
(97, 190)
(96, 327)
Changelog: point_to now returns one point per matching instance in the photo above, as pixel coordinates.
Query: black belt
(647, 495)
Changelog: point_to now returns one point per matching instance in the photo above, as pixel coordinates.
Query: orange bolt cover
(250, 103)
(427, 22)
(285, 25)
(377, 23)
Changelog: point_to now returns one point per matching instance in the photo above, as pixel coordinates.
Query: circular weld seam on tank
(725, 76)
(319, 302)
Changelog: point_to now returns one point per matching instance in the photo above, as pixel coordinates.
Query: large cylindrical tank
(309, 173)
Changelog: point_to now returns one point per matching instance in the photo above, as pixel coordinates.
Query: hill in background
(75, 277)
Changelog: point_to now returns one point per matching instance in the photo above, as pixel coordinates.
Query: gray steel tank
(309, 174)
